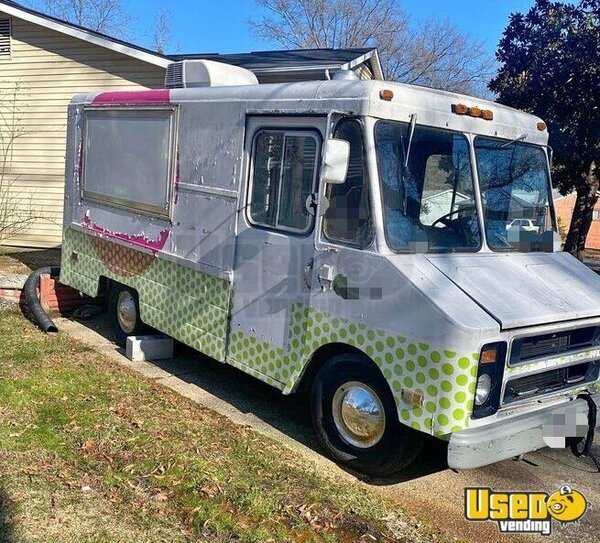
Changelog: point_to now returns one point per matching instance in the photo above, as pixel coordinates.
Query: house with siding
(44, 62)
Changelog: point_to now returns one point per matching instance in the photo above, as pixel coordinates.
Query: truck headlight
(484, 387)
(489, 379)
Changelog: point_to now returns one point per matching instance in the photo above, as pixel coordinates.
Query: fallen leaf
(161, 497)
(113, 496)
(89, 446)
(211, 492)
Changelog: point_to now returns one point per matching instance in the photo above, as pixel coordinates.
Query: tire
(122, 329)
(382, 452)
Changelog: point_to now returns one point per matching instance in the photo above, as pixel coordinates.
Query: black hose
(585, 450)
(30, 290)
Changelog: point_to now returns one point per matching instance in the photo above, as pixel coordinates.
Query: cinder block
(12, 281)
(140, 348)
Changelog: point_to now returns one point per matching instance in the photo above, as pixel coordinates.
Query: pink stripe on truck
(155, 96)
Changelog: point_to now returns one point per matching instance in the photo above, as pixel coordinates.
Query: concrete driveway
(428, 490)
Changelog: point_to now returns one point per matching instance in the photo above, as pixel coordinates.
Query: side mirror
(336, 155)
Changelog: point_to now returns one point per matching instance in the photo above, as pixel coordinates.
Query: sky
(209, 26)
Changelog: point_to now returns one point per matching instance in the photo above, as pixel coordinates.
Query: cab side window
(348, 218)
(283, 179)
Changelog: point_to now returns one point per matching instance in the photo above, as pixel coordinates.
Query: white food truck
(352, 238)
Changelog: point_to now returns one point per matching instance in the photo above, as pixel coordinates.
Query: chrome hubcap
(358, 414)
(126, 312)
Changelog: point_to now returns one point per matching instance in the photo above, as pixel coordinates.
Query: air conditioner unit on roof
(187, 74)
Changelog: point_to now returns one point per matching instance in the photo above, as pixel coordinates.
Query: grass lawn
(90, 452)
(24, 261)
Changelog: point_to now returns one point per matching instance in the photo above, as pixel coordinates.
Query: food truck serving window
(128, 158)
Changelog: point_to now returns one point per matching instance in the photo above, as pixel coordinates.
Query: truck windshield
(515, 190)
(429, 204)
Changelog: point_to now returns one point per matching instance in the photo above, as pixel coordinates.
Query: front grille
(542, 347)
(547, 345)
(554, 380)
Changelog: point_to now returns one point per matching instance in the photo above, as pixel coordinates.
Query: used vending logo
(524, 512)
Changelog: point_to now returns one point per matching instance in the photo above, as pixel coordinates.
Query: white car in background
(523, 224)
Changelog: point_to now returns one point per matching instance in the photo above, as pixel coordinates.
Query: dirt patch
(24, 261)
(6, 304)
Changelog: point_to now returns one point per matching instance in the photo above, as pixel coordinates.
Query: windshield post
(477, 189)
(549, 151)
(374, 186)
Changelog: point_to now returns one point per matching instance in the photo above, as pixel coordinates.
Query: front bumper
(508, 438)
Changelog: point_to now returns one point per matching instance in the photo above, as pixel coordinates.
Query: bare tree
(331, 24)
(106, 16)
(162, 35)
(435, 54)
(17, 211)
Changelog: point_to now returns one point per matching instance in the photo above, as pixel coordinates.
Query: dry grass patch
(23, 261)
(90, 452)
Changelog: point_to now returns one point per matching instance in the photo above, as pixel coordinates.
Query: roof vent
(5, 38)
(345, 75)
(174, 77)
(189, 74)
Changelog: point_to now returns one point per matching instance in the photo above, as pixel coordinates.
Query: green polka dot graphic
(193, 307)
(189, 306)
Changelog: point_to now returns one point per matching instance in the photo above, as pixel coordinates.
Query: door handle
(326, 276)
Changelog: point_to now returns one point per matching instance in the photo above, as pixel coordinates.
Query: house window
(283, 179)
(596, 214)
(128, 159)
(5, 38)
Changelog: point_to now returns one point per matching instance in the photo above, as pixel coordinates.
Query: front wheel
(355, 418)
(124, 310)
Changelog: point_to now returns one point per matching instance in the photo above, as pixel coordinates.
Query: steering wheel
(445, 219)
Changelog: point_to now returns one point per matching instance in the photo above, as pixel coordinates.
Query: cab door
(349, 274)
(275, 245)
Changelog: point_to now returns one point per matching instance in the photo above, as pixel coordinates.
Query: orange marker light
(386, 94)
(541, 126)
(460, 109)
(488, 355)
(477, 112)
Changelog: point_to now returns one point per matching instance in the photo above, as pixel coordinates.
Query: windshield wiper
(411, 133)
(522, 137)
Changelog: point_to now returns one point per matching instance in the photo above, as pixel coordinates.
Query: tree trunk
(587, 196)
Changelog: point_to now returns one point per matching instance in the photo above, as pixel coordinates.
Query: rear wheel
(124, 310)
(355, 418)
